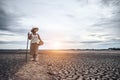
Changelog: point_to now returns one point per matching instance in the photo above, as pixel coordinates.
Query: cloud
(12, 42)
(99, 35)
(4, 34)
(113, 20)
(3, 18)
(8, 18)
(111, 2)
(83, 42)
(117, 40)
(71, 22)
(70, 15)
(106, 15)
(91, 42)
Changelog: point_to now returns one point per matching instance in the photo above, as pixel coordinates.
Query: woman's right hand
(29, 35)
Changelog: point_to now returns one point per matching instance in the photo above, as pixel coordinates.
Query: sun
(56, 45)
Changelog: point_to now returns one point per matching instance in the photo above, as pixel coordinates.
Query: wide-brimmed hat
(34, 28)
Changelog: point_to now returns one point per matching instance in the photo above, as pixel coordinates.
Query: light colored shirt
(35, 39)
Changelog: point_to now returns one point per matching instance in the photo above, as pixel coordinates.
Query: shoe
(32, 59)
(37, 59)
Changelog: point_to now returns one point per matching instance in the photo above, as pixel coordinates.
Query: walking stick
(27, 48)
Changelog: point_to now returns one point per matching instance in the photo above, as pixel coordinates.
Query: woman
(35, 43)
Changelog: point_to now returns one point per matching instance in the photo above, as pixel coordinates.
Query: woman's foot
(32, 59)
(36, 59)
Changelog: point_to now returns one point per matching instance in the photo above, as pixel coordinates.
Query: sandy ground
(69, 65)
(32, 71)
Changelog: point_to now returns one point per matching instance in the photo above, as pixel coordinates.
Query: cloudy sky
(62, 23)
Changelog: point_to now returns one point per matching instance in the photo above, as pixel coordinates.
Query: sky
(63, 24)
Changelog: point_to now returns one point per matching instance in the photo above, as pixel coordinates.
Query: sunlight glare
(56, 45)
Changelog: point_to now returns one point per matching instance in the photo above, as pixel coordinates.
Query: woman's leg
(32, 51)
(34, 56)
(36, 52)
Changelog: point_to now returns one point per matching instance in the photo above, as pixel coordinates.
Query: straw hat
(34, 29)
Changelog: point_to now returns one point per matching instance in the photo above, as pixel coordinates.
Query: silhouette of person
(36, 41)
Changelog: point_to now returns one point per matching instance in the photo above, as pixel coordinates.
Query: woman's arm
(29, 36)
(41, 42)
(39, 37)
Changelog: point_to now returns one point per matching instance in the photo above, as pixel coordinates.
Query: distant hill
(114, 48)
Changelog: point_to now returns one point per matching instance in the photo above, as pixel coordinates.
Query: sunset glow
(56, 45)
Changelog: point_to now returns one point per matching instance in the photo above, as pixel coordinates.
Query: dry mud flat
(86, 65)
(62, 65)
(10, 64)
(32, 71)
